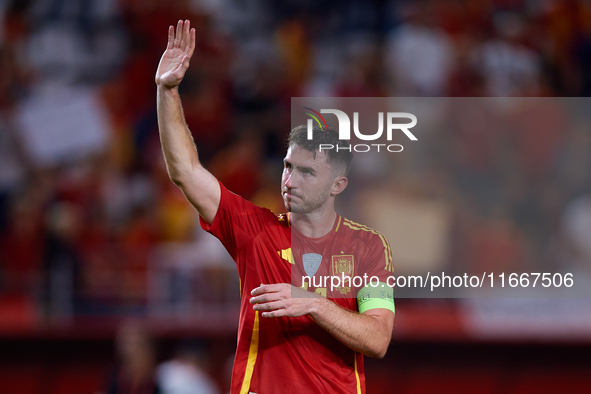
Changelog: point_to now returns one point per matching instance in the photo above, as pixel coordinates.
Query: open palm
(175, 60)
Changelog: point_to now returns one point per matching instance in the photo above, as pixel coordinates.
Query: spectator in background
(62, 258)
(496, 244)
(363, 74)
(418, 55)
(136, 371)
(21, 248)
(563, 38)
(186, 373)
(508, 67)
(576, 227)
(14, 164)
(574, 161)
(76, 41)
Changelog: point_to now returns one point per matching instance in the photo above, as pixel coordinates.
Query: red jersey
(294, 354)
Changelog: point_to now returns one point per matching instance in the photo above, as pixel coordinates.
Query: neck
(314, 224)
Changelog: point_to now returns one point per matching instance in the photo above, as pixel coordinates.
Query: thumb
(186, 61)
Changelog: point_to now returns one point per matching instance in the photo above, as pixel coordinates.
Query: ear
(339, 184)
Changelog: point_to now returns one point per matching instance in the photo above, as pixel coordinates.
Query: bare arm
(368, 333)
(180, 154)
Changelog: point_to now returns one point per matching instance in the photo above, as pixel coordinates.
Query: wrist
(165, 89)
(318, 306)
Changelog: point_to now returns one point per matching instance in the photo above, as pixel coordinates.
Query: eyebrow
(301, 168)
(308, 169)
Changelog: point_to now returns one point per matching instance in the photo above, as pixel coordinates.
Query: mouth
(290, 195)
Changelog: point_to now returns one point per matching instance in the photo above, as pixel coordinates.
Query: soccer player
(295, 335)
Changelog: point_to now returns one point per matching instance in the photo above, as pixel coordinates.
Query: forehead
(299, 156)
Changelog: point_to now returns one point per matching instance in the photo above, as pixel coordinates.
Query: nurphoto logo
(345, 129)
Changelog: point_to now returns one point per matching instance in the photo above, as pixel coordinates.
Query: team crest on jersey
(311, 263)
(342, 266)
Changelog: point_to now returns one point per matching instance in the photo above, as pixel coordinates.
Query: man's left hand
(283, 299)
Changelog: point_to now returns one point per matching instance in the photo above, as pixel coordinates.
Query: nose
(288, 180)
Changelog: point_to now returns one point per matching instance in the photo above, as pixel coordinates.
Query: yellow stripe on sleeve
(387, 251)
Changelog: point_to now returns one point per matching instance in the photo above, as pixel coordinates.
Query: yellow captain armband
(381, 296)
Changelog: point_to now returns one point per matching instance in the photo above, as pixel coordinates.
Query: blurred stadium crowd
(85, 201)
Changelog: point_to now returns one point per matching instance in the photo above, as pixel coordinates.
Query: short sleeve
(236, 221)
(379, 260)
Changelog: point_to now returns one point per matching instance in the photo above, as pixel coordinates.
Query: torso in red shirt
(294, 354)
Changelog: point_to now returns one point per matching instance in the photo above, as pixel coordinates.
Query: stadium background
(101, 259)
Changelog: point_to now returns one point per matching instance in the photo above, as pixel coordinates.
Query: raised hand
(175, 60)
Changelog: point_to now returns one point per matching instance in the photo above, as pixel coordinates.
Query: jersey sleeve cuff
(209, 227)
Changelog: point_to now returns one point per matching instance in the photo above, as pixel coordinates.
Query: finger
(170, 37)
(269, 306)
(192, 42)
(275, 313)
(265, 289)
(179, 32)
(266, 297)
(185, 62)
(258, 290)
(186, 33)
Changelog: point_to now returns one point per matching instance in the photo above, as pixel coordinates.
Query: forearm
(180, 153)
(368, 333)
(363, 333)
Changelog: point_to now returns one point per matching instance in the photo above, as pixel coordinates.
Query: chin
(287, 206)
(297, 210)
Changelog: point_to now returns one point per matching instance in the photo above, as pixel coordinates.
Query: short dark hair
(338, 159)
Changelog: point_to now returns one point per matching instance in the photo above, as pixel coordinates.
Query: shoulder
(358, 230)
(236, 212)
(376, 243)
(239, 206)
(362, 233)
